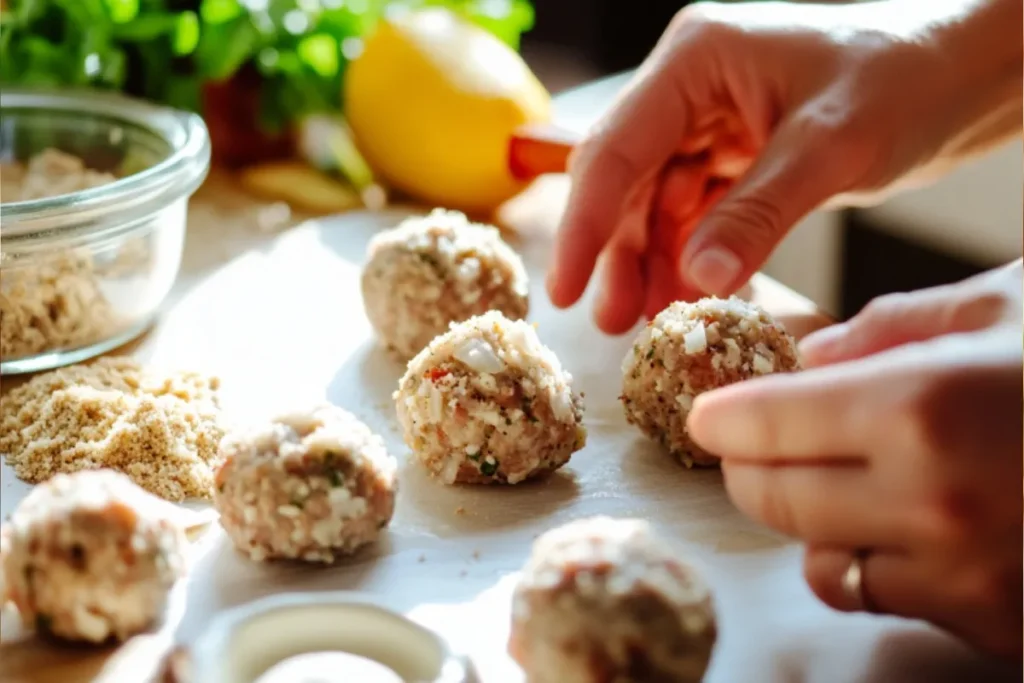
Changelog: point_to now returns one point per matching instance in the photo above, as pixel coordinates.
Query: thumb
(792, 176)
(902, 318)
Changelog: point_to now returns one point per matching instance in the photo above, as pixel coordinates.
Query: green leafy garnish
(167, 50)
(488, 468)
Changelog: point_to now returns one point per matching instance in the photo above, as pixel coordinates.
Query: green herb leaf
(167, 50)
(219, 11)
(186, 33)
(488, 468)
(321, 53)
(121, 11)
(224, 47)
(147, 27)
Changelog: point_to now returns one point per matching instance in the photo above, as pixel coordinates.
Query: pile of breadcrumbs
(162, 430)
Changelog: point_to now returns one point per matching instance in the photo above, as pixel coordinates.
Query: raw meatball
(311, 486)
(692, 348)
(488, 403)
(434, 270)
(85, 561)
(603, 600)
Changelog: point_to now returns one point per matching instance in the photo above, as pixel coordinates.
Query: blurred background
(970, 221)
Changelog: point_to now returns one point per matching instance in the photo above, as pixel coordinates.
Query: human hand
(748, 116)
(903, 437)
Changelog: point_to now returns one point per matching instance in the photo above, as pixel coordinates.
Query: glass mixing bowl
(86, 271)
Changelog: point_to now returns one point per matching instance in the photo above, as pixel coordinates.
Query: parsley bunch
(166, 50)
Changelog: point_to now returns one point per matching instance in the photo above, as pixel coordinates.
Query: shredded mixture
(604, 599)
(691, 348)
(55, 303)
(312, 485)
(488, 403)
(162, 430)
(48, 174)
(438, 269)
(87, 559)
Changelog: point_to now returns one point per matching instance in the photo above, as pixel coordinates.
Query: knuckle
(749, 489)
(754, 222)
(600, 158)
(977, 311)
(996, 586)
(706, 15)
(703, 22)
(883, 307)
(924, 415)
(949, 514)
(836, 130)
(774, 509)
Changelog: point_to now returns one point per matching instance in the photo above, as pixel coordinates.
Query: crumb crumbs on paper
(460, 510)
(162, 430)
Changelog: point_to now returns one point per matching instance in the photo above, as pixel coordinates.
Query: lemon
(432, 102)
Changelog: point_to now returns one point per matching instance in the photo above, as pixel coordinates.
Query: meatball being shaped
(486, 403)
(603, 599)
(312, 485)
(85, 559)
(690, 348)
(434, 270)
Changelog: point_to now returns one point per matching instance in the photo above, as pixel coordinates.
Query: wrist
(981, 50)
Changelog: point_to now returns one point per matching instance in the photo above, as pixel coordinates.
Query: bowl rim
(126, 199)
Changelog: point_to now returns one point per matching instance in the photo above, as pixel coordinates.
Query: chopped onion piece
(696, 340)
(479, 356)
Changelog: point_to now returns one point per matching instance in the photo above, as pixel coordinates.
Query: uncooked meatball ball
(86, 560)
(602, 599)
(690, 348)
(487, 403)
(434, 270)
(311, 485)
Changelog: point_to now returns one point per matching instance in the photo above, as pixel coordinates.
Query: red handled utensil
(538, 149)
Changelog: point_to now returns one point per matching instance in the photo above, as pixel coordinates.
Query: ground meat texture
(603, 600)
(311, 486)
(434, 270)
(690, 348)
(84, 560)
(488, 403)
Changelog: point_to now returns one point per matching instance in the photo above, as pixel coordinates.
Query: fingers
(679, 201)
(628, 147)
(786, 182)
(891, 321)
(820, 503)
(621, 300)
(919, 587)
(807, 415)
(892, 583)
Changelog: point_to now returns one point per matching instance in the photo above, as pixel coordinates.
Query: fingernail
(713, 271)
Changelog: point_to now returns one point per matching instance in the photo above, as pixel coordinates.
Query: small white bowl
(242, 644)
